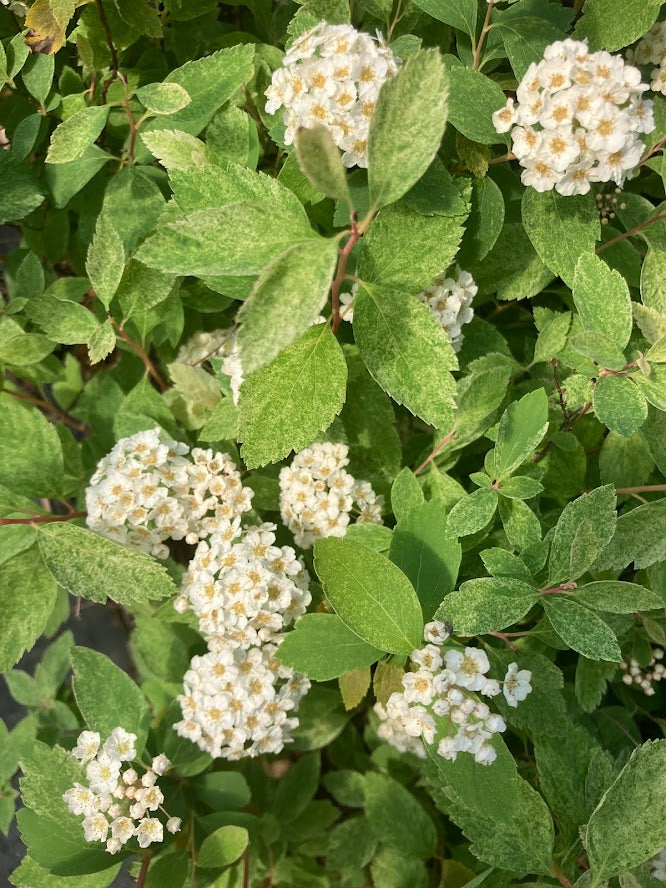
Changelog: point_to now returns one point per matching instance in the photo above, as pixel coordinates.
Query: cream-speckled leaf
(70, 140)
(238, 239)
(602, 298)
(163, 98)
(91, 566)
(561, 228)
(27, 596)
(619, 404)
(105, 261)
(285, 404)
(628, 825)
(407, 126)
(581, 629)
(487, 604)
(407, 352)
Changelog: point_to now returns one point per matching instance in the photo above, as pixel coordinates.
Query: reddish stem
(51, 408)
(438, 449)
(482, 36)
(626, 367)
(631, 232)
(43, 519)
(147, 363)
(344, 254)
(143, 872)
(563, 587)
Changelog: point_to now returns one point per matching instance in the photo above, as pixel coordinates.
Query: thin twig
(504, 157)
(49, 408)
(482, 35)
(147, 363)
(642, 488)
(112, 48)
(660, 144)
(43, 519)
(143, 872)
(563, 587)
(559, 875)
(246, 868)
(437, 450)
(344, 254)
(631, 232)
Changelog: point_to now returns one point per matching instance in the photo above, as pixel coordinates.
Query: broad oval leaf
(370, 594)
(487, 604)
(322, 647)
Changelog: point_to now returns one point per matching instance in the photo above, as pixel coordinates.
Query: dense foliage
(333, 347)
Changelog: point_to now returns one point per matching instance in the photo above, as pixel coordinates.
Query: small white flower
(161, 764)
(103, 773)
(80, 800)
(436, 632)
(95, 828)
(148, 831)
(113, 846)
(121, 745)
(87, 746)
(516, 684)
(470, 667)
(122, 829)
(174, 824)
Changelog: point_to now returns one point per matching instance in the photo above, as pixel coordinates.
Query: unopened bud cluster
(577, 119)
(651, 50)
(608, 203)
(150, 489)
(238, 700)
(318, 496)
(446, 683)
(118, 805)
(207, 345)
(645, 678)
(331, 76)
(450, 300)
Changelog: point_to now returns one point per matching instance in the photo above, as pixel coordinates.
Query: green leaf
(102, 342)
(653, 280)
(210, 81)
(473, 100)
(628, 825)
(31, 875)
(619, 404)
(472, 513)
(223, 790)
(20, 192)
(27, 597)
(396, 818)
(525, 39)
(107, 696)
(487, 604)
(516, 830)
(407, 126)
(387, 255)
(37, 76)
(423, 551)
(354, 686)
(370, 594)
(640, 537)
(598, 348)
(105, 261)
(352, 844)
(612, 24)
(485, 222)
(322, 647)
(500, 563)
(25, 349)
(31, 460)
(617, 597)
(460, 14)
(163, 98)
(297, 788)
(406, 494)
(552, 336)
(285, 300)
(284, 405)
(321, 163)
(561, 228)
(591, 680)
(521, 430)
(520, 487)
(176, 149)
(222, 847)
(407, 352)
(512, 269)
(74, 135)
(93, 567)
(238, 239)
(390, 868)
(582, 630)
(602, 298)
(591, 518)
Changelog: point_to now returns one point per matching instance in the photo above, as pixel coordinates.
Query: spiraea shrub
(333, 354)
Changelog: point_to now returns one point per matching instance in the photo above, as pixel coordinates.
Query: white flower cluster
(244, 590)
(237, 702)
(148, 490)
(577, 119)
(317, 495)
(659, 866)
(450, 300)
(331, 75)
(116, 801)
(645, 678)
(445, 683)
(651, 50)
(208, 344)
